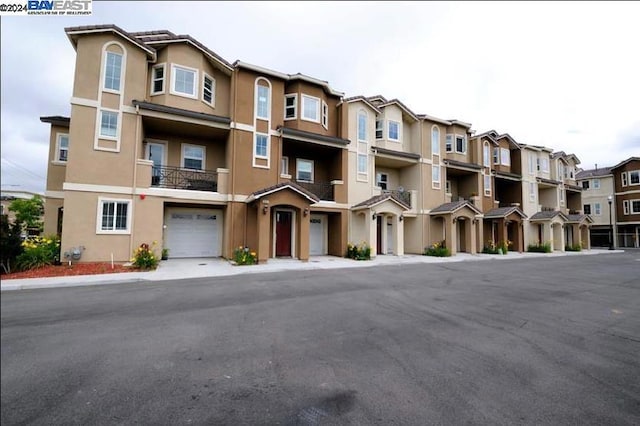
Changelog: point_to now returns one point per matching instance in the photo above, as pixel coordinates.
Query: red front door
(283, 234)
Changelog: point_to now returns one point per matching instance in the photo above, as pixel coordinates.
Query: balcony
(179, 178)
(323, 190)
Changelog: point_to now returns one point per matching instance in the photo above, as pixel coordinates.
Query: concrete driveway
(536, 341)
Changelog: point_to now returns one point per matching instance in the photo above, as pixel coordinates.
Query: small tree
(10, 243)
(28, 212)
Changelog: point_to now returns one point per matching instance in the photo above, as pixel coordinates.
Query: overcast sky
(563, 75)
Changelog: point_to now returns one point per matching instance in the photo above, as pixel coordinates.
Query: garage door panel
(317, 235)
(193, 232)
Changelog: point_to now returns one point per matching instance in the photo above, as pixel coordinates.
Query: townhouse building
(169, 142)
(626, 176)
(598, 191)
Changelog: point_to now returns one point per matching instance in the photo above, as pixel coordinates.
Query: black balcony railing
(404, 196)
(323, 190)
(179, 178)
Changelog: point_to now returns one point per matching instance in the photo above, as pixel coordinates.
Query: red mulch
(91, 268)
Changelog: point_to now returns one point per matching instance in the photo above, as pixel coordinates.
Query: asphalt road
(537, 341)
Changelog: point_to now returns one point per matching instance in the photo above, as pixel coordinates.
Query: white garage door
(193, 232)
(318, 235)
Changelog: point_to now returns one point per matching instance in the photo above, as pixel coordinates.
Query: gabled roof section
(282, 186)
(511, 140)
(454, 206)
(565, 157)
(362, 99)
(377, 99)
(164, 37)
(379, 199)
(547, 215)
(74, 32)
(586, 174)
(460, 123)
(538, 148)
(402, 106)
(434, 119)
(579, 218)
(502, 212)
(289, 77)
(56, 120)
(623, 162)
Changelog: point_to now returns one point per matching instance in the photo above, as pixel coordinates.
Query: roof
(56, 120)
(535, 147)
(508, 175)
(395, 153)
(402, 107)
(166, 37)
(577, 218)
(281, 186)
(547, 215)
(550, 181)
(182, 112)
(73, 32)
(378, 199)
(435, 119)
(286, 131)
(454, 206)
(504, 212)
(361, 99)
(565, 156)
(586, 174)
(623, 162)
(461, 164)
(460, 123)
(289, 77)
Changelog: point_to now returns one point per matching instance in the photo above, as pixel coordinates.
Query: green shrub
(539, 248)
(244, 256)
(38, 252)
(359, 251)
(437, 250)
(165, 254)
(575, 247)
(144, 257)
(10, 243)
(490, 248)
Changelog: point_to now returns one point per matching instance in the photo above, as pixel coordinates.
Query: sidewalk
(176, 269)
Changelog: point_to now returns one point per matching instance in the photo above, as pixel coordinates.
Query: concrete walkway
(176, 269)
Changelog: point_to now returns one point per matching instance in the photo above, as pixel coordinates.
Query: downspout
(232, 166)
(135, 176)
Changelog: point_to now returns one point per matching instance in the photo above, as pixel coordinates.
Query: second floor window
(108, 124)
(382, 180)
(496, 155)
(394, 130)
(596, 209)
(486, 159)
(184, 81)
(193, 157)
(325, 115)
(112, 71)
(596, 184)
(304, 170)
(362, 126)
(208, 89)
(262, 142)
(532, 164)
(310, 108)
(435, 175)
(63, 148)
(263, 102)
(634, 177)
(290, 106)
(461, 144)
(157, 83)
(487, 185)
(585, 184)
(505, 157)
(448, 146)
(587, 208)
(379, 128)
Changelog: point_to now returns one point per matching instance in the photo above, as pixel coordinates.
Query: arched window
(435, 140)
(363, 145)
(263, 98)
(113, 65)
(486, 154)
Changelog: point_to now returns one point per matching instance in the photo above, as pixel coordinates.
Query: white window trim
(532, 192)
(486, 154)
(596, 186)
(184, 146)
(57, 157)
(313, 167)
(260, 157)
(631, 211)
(101, 201)
(532, 164)
(268, 116)
(626, 208)
(435, 184)
(544, 165)
(196, 79)
(104, 70)
(455, 142)
(597, 209)
(487, 189)
(629, 177)
(562, 196)
(434, 127)
(381, 129)
(364, 114)
(503, 157)
(325, 115)
(624, 179)
(99, 128)
(164, 79)
(295, 106)
(389, 130)
(318, 112)
(362, 176)
(379, 179)
(284, 171)
(453, 139)
(213, 90)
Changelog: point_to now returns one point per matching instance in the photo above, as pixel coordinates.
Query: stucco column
(370, 225)
(547, 232)
(303, 236)
(263, 232)
(450, 234)
(398, 225)
(479, 241)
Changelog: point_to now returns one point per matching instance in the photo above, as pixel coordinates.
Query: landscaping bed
(89, 268)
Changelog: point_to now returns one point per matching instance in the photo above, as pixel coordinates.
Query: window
(585, 184)
(193, 157)
(487, 185)
(112, 71)
(596, 184)
(625, 207)
(461, 144)
(545, 164)
(596, 208)
(362, 126)
(538, 167)
(325, 115)
(623, 177)
(208, 89)
(62, 149)
(310, 108)
(447, 187)
(382, 179)
(505, 157)
(587, 208)
(486, 155)
(448, 146)
(394, 131)
(571, 172)
(157, 79)
(184, 81)
(379, 128)
(362, 164)
(562, 196)
(532, 191)
(435, 140)
(290, 106)
(634, 177)
(561, 171)
(113, 216)
(304, 170)
(262, 143)
(435, 176)
(635, 206)
(262, 102)
(532, 164)
(284, 165)
(108, 124)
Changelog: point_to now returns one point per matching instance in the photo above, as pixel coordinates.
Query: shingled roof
(454, 206)
(586, 174)
(547, 215)
(501, 212)
(377, 199)
(281, 186)
(577, 218)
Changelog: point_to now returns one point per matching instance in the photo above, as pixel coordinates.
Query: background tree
(28, 212)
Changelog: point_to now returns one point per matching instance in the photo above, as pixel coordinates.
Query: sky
(562, 75)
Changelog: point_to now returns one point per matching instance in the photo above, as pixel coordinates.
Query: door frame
(325, 233)
(293, 231)
(165, 149)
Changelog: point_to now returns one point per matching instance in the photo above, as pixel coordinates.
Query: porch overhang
(547, 183)
(392, 158)
(454, 207)
(459, 165)
(283, 187)
(580, 219)
(506, 212)
(554, 216)
(304, 136)
(378, 200)
(178, 114)
(509, 176)
(573, 188)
